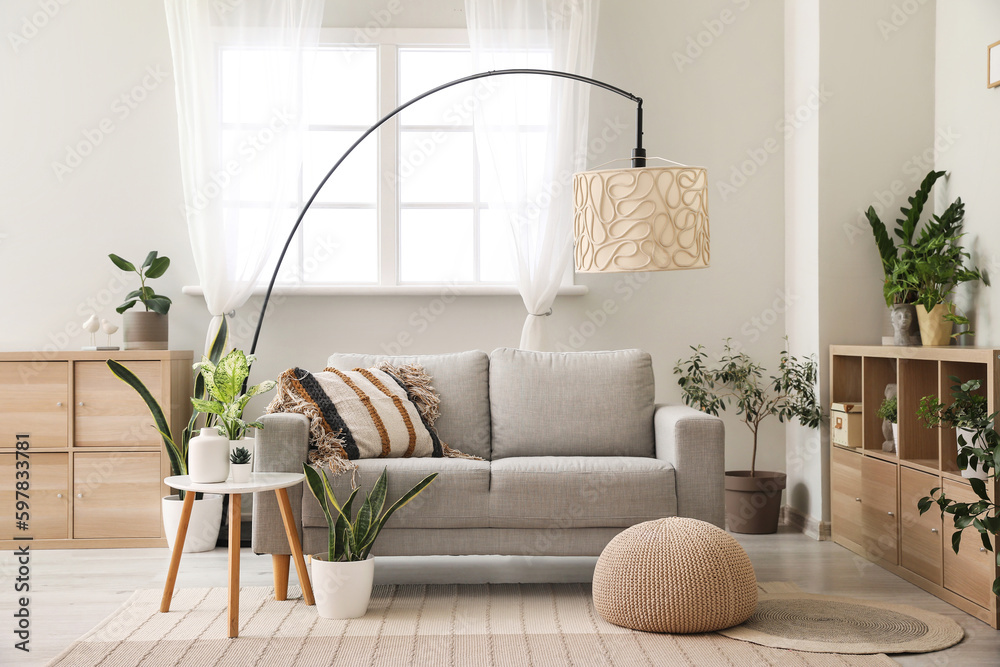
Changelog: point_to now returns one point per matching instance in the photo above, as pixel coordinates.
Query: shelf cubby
(877, 373)
(964, 371)
(917, 443)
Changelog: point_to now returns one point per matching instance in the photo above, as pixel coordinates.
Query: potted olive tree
(982, 451)
(342, 577)
(753, 497)
(145, 329)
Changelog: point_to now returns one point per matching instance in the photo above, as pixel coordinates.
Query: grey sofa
(574, 451)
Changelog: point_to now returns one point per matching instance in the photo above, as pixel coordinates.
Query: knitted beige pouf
(675, 575)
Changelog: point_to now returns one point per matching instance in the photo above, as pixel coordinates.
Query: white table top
(259, 481)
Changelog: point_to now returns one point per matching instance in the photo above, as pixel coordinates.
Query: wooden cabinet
(96, 462)
(874, 492)
(34, 398)
(48, 494)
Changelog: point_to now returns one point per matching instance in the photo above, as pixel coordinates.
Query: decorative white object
(208, 457)
(240, 472)
(109, 329)
(342, 590)
(203, 527)
(91, 326)
(895, 437)
(531, 133)
(972, 472)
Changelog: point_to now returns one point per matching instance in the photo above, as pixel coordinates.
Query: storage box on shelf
(95, 462)
(874, 493)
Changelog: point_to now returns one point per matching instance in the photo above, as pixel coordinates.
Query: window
(408, 206)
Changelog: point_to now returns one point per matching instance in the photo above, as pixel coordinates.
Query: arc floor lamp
(636, 219)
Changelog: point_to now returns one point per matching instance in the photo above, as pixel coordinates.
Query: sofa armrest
(695, 444)
(281, 446)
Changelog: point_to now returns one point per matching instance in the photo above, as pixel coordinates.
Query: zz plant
(352, 539)
(153, 266)
(968, 411)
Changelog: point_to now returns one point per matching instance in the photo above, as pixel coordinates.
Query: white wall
(124, 197)
(969, 111)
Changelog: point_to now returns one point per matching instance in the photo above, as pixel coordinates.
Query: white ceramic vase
(342, 590)
(208, 457)
(203, 527)
(240, 472)
(972, 472)
(895, 436)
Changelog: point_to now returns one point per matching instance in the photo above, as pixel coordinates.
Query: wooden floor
(71, 591)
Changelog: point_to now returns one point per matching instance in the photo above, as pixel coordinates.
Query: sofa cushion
(462, 382)
(457, 498)
(580, 491)
(571, 403)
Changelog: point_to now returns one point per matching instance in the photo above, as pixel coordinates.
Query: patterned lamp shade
(641, 219)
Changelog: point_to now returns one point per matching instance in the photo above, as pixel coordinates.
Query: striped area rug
(496, 625)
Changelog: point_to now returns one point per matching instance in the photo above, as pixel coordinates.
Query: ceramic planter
(240, 472)
(203, 528)
(208, 457)
(342, 590)
(934, 329)
(145, 330)
(972, 472)
(753, 503)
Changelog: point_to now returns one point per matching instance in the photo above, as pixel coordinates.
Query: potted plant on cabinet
(226, 399)
(984, 514)
(888, 411)
(342, 577)
(145, 330)
(206, 515)
(968, 415)
(753, 497)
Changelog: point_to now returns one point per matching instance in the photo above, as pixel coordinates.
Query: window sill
(395, 290)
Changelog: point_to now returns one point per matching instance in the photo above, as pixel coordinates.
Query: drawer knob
(983, 549)
(934, 530)
(890, 514)
(59, 404)
(58, 495)
(80, 404)
(79, 495)
(857, 500)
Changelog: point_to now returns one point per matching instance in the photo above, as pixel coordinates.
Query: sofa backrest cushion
(571, 403)
(462, 382)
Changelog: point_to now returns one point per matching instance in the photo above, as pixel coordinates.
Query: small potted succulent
(145, 329)
(753, 497)
(239, 465)
(968, 415)
(342, 577)
(889, 411)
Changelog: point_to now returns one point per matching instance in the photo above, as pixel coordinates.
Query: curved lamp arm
(638, 153)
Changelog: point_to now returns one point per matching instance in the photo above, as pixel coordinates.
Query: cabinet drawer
(970, 572)
(34, 399)
(879, 513)
(845, 495)
(116, 494)
(48, 495)
(109, 412)
(920, 535)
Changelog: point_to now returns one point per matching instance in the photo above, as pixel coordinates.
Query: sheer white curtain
(241, 137)
(531, 134)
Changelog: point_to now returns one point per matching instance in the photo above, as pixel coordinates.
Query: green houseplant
(224, 380)
(207, 511)
(737, 379)
(148, 329)
(342, 577)
(968, 415)
(983, 515)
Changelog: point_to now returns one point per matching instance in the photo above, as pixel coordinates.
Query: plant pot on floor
(753, 503)
(342, 589)
(203, 527)
(934, 329)
(145, 330)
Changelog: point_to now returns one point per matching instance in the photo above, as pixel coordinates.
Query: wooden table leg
(234, 564)
(280, 563)
(293, 542)
(175, 557)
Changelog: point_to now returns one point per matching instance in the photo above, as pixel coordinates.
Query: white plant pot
(208, 457)
(240, 472)
(895, 436)
(973, 472)
(203, 527)
(342, 590)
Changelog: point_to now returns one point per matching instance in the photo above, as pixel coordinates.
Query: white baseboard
(805, 524)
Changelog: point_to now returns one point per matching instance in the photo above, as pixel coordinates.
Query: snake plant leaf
(380, 523)
(376, 500)
(313, 480)
(178, 462)
(339, 530)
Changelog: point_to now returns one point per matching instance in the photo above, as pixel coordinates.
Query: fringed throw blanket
(386, 411)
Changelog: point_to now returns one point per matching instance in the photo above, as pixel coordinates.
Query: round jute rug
(827, 624)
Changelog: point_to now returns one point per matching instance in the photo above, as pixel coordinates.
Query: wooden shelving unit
(874, 494)
(96, 463)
